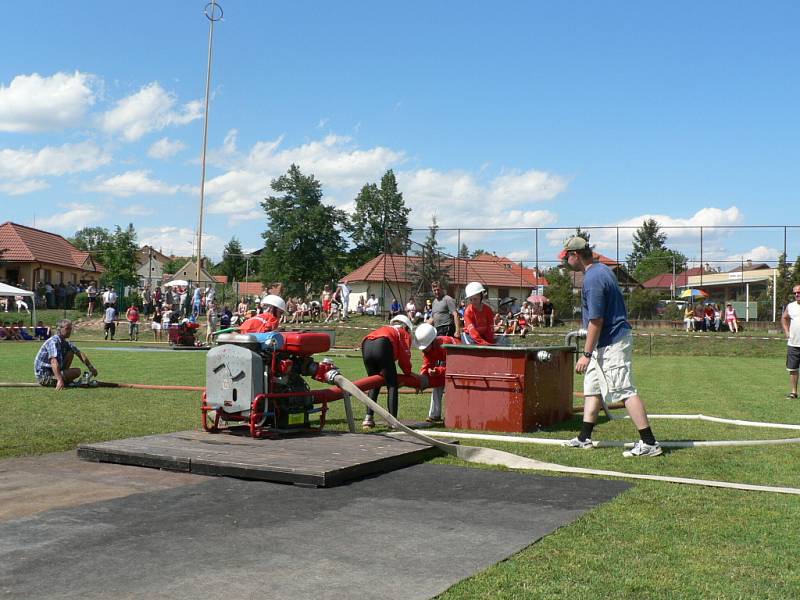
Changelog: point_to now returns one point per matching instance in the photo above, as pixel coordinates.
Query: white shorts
(155, 326)
(613, 362)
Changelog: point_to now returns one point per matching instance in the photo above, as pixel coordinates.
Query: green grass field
(656, 540)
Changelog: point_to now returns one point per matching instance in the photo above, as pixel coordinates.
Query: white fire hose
(490, 456)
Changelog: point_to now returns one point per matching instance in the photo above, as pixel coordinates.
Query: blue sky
(549, 114)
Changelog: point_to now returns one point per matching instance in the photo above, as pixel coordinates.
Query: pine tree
(784, 282)
(233, 262)
(379, 222)
(463, 251)
(431, 267)
(303, 245)
(796, 272)
(647, 239)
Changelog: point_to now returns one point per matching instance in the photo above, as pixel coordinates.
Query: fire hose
(490, 456)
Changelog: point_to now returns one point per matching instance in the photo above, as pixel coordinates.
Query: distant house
(188, 272)
(30, 256)
(390, 276)
(625, 279)
(150, 265)
(671, 284)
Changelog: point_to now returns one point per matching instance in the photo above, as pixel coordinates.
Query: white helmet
(473, 289)
(403, 320)
(424, 335)
(273, 300)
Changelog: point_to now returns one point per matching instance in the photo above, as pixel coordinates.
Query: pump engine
(257, 381)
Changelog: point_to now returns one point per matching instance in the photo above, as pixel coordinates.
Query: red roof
(251, 288)
(26, 244)
(488, 269)
(223, 279)
(665, 279)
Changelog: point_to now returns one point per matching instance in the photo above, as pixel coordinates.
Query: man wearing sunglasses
(791, 327)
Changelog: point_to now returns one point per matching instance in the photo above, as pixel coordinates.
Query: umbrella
(177, 283)
(534, 298)
(693, 293)
(507, 301)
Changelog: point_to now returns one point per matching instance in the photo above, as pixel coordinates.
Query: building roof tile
(21, 243)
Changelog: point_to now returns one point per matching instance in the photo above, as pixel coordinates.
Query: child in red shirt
(434, 361)
(380, 349)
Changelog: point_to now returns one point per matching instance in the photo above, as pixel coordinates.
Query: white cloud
(72, 218)
(180, 241)
(152, 108)
(25, 186)
(133, 182)
(32, 103)
(341, 168)
(757, 254)
(165, 147)
(531, 186)
(52, 160)
(137, 210)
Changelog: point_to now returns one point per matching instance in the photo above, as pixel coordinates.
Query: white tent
(10, 290)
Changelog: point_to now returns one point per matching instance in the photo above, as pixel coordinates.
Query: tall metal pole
(213, 14)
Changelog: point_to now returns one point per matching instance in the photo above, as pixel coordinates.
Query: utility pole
(213, 12)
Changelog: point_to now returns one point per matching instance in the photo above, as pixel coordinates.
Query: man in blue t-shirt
(607, 351)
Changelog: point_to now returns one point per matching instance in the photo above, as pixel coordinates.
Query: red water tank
(495, 388)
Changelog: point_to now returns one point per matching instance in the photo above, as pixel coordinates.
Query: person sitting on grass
(52, 365)
(23, 332)
(4, 332)
(41, 332)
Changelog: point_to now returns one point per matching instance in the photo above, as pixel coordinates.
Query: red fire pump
(257, 381)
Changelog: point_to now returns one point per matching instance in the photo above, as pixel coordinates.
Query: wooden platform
(320, 460)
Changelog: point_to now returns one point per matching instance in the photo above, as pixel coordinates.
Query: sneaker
(791, 396)
(368, 424)
(642, 449)
(576, 443)
(433, 420)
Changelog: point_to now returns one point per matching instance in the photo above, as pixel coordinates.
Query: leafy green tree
(95, 240)
(796, 272)
(432, 266)
(559, 291)
(233, 261)
(584, 234)
(783, 281)
(646, 240)
(657, 262)
(463, 251)
(303, 245)
(642, 303)
(379, 222)
(119, 258)
(173, 264)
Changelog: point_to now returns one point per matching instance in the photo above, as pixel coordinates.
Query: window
(503, 293)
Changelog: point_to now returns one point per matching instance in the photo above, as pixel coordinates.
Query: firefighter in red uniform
(380, 349)
(272, 307)
(478, 317)
(434, 362)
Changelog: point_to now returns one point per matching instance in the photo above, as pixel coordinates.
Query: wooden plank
(321, 459)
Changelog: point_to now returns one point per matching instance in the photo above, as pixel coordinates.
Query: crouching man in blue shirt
(607, 351)
(52, 364)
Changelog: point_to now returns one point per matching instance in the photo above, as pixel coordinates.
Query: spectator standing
(196, 301)
(444, 316)
(345, 297)
(52, 365)
(549, 312)
(147, 299)
(132, 315)
(91, 293)
(608, 346)
(155, 325)
(210, 295)
(109, 321)
(791, 327)
(110, 297)
(325, 298)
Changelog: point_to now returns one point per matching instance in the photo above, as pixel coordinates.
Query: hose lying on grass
(490, 456)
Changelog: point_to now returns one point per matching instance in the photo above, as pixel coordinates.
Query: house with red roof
(391, 276)
(29, 256)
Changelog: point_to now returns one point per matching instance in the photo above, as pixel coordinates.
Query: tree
(173, 264)
(303, 245)
(796, 272)
(233, 262)
(584, 234)
(463, 251)
(119, 258)
(95, 240)
(642, 303)
(646, 240)
(658, 262)
(559, 292)
(379, 222)
(431, 266)
(783, 281)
